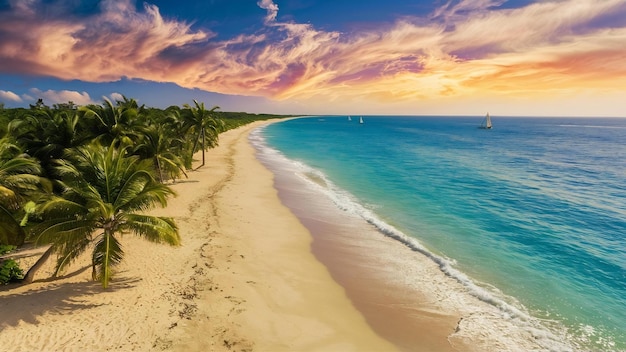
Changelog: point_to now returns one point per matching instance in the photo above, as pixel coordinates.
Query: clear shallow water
(535, 207)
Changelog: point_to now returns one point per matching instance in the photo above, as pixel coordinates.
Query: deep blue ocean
(535, 207)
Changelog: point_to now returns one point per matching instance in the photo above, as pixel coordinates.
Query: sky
(332, 57)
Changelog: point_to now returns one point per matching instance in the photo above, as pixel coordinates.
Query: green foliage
(10, 271)
(204, 124)
(104, 190)
(233, 120)
(19, 181)
(6, 249)
(10, 231)
(163, 150)
(78, 177)
(4, 122)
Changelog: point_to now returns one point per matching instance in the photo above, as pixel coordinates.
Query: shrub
(6, 248)
(10, 271)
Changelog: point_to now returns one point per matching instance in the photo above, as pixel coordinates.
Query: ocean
(529, 217)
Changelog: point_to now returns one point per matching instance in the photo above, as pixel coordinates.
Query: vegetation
(103, 190)
(9, 269)
(203, 124)
(19, 180)
(6, 249)
(77, 177)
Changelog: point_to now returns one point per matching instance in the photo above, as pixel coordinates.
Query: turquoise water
(535, 207)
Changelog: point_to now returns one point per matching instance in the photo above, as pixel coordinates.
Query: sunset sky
(410, 57)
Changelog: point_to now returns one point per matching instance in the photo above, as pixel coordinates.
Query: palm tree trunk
(195, 144)
(203, 148)
(30, 275)
(159, 168)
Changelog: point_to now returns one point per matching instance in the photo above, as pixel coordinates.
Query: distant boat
(349, 118)
(486, 124)
(361, 120)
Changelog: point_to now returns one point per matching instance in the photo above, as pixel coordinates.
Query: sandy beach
(243, 279)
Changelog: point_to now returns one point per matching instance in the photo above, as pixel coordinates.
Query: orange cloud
(544, 48)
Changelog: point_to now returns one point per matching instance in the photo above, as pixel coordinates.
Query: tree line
(77, 177)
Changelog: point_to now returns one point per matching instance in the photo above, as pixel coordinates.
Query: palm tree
(18, 178)
(104, 195)
(129, 103)
(162, 149)
(174, 122)
(203, 123)
(46, 133)
(114, 123)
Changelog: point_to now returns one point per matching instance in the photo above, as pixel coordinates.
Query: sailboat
(361, 120)
(349, 118)
(486, 124)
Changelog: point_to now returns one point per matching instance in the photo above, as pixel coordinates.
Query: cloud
(9, 96)
(24, 7)
(453, 11)
(115, 97)
(272, 9)
(465, 48)
(61, 96)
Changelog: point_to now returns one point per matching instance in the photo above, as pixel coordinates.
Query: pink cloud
(467, 48)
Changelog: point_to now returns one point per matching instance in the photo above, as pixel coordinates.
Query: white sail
(486, 123)
(361, 119)
(349, 118)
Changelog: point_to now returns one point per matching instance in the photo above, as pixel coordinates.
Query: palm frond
(22, 183)
(70, 250)
(64, 168)
(142, 196)
(19, 165)
(153, 228)
(107, 253)
(62, 208)
(58, 232)
(172, 163)
(132, 186)
(8, 150)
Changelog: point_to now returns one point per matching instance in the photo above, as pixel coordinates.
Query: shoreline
(243, 279)
(409, 295)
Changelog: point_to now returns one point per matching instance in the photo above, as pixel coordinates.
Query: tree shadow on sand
(56, 298)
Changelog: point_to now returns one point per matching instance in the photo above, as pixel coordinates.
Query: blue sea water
(535, 207)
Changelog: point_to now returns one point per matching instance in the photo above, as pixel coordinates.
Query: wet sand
(408, 296)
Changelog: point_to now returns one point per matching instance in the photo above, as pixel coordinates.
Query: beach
(259, 269)
(243, 279)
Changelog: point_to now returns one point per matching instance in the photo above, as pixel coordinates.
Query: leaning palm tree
(204, 125)
(104, 195)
